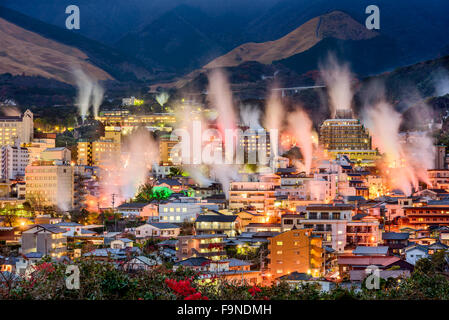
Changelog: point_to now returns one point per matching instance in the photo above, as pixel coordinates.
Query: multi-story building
(439, 178)
(50, 184)
(44, 238)
(344, 135)
(209, 246)
(184, 209)
(297, 250)
(364, 232)
(440, 157)
(60, 154)
(129, 122)
(434, 213)
(14, 160)
(36, 146)
(168, 155)
(213, 222)
(16, 129)
(259, 195)
(330, 221)
(254, 146)
(100, 153)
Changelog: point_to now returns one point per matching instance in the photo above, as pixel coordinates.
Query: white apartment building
(182, 210)
(13, 128)
(14, 160)
(260, 195)
(330, 221)
(50, 184)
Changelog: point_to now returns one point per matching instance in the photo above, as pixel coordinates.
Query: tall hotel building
(346, 135)
(16, 129)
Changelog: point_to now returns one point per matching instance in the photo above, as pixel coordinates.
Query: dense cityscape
(241, 180)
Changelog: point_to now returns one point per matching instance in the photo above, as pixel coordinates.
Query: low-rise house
(141, 263)
(395, 241)
(121, 243)
(416, 252)
(72, 228)
(262, 227)
(297, 279)
(46, 219)
(213, 222)
(25, 263)
(371, 251)
(46, 238)
(113, 254)
(360, 263)
(158, 229)
(136, 209)
(195, 263)
(247, 217)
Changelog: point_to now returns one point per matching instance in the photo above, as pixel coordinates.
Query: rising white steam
(273, 120)
(97, 97)
(220, 97)
(90, 92)
(162, 98)
(250, 116)
(300, 126)
(123, 176)
(338, 82)
(406, 156)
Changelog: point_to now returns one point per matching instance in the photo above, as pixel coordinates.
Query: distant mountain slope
(183, 39)
(336, 24)
(25, 52)
(365, 57)
(419, 27)
(117, 65)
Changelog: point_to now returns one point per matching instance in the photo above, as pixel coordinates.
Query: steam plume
(89, 92)
(338, 82)
(162, 98)
(301, 127)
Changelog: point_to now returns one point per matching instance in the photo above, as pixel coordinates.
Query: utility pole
(113, 211)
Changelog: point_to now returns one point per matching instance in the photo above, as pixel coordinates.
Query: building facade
(296, 250)
(50, 184)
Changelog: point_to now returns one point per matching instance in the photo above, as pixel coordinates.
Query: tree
(148, 193)
(144, 193)
(175, 171)
(80, 216)
(10, 215)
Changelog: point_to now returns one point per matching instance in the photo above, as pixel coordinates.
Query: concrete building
(50, 184)
(210, 246)
(168, 154)
(36, 146)
(296, 250)
(440, 158)
(14, 160)
(180, 210)
(100, 153)
(257, 195)
(16, 128)
(59, 154)
(345, 135)
(330, 221)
